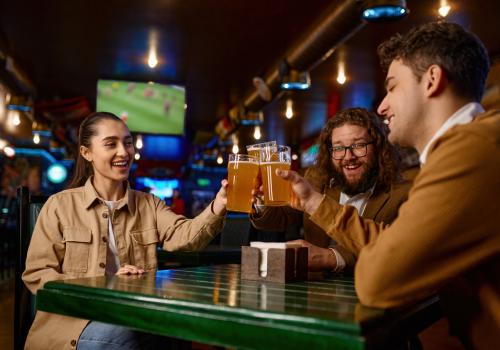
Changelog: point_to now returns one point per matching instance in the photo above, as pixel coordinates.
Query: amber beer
(276, 190)
(242, 172)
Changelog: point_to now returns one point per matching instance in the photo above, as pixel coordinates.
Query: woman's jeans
(103, 336)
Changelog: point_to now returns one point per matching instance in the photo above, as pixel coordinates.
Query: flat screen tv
(148, 108)
(162, 188)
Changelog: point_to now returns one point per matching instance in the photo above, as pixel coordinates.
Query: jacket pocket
(144, 244)
(78, 241)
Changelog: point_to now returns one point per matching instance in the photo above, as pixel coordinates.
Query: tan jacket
(445, 239)
(69, 240)
(382, 206)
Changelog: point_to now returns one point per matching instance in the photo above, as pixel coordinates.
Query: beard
(365, 182)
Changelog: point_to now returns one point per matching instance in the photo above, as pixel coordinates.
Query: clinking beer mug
(242, 171)
(276, 190)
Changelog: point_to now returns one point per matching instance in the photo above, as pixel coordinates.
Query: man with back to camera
(446, 236)
(355, 165)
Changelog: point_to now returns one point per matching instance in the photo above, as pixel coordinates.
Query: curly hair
(388, 159)
(458, 52)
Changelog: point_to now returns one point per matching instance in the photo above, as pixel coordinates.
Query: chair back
(24, 302)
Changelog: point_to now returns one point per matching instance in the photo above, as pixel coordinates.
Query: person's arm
(177, 232)
(275, 218)
(447, 227)
(46, 250)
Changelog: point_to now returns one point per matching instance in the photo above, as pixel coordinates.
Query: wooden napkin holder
(283, 265)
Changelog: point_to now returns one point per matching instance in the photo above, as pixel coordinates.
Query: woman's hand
(220, 202)
(130, 270)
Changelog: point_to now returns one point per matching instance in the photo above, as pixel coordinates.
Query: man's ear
(85, 152)
(435, 80)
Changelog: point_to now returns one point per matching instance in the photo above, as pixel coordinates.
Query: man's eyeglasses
(358, 149)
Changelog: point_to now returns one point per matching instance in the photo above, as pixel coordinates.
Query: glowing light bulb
(15, 119)
(341, 77)
(138, 142)
(36, 138)
(256, 134)
(289, 109)
(236, 149)
(9, 151)
(137, 156)
(444, 10)
(295, 157)
(152, 60)
(220, 160)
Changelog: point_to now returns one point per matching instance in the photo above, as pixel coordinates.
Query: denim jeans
(103, 336)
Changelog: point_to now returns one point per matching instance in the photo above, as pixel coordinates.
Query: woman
(102, 227)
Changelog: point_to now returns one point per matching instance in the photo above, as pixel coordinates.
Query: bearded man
(357, 166)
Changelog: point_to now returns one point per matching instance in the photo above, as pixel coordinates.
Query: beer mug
(254, 150)
(242, 171)
(276, 190)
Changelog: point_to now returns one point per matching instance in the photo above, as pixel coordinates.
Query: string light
(220, 160)
(137, 156)
(289, 109)
(36, 138)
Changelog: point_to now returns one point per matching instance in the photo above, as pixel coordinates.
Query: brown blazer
(446, 238)
(381, 207)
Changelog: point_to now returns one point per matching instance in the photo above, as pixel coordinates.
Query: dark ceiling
(213, 47)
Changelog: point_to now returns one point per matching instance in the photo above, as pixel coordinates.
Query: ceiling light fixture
(380, 10)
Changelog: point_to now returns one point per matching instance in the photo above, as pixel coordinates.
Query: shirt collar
(463, 116)
(91, 196)
(358, 196)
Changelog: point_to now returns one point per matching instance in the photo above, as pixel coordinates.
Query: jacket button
(105, 215)
(73, 342)
(104, 239)
(102, 265)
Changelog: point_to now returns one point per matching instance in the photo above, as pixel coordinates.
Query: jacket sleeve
(176, 232)
(276, 218)
(46, 249)
(447, 226)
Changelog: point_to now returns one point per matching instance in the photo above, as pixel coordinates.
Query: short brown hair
(457, 51)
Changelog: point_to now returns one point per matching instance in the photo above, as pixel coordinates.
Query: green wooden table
(211, 304)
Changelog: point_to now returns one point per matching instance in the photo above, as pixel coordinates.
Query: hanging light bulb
(153, 44)
(289, 109)
(341, 77)
(295, 156)
(137, 156)
(444, 8)
(235, 149)
(220, 160)
(36, 138)
(138, 142)
(256, 134)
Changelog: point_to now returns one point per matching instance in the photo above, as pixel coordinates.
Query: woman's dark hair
(88, 129)
(387, 155)
(457, 51)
